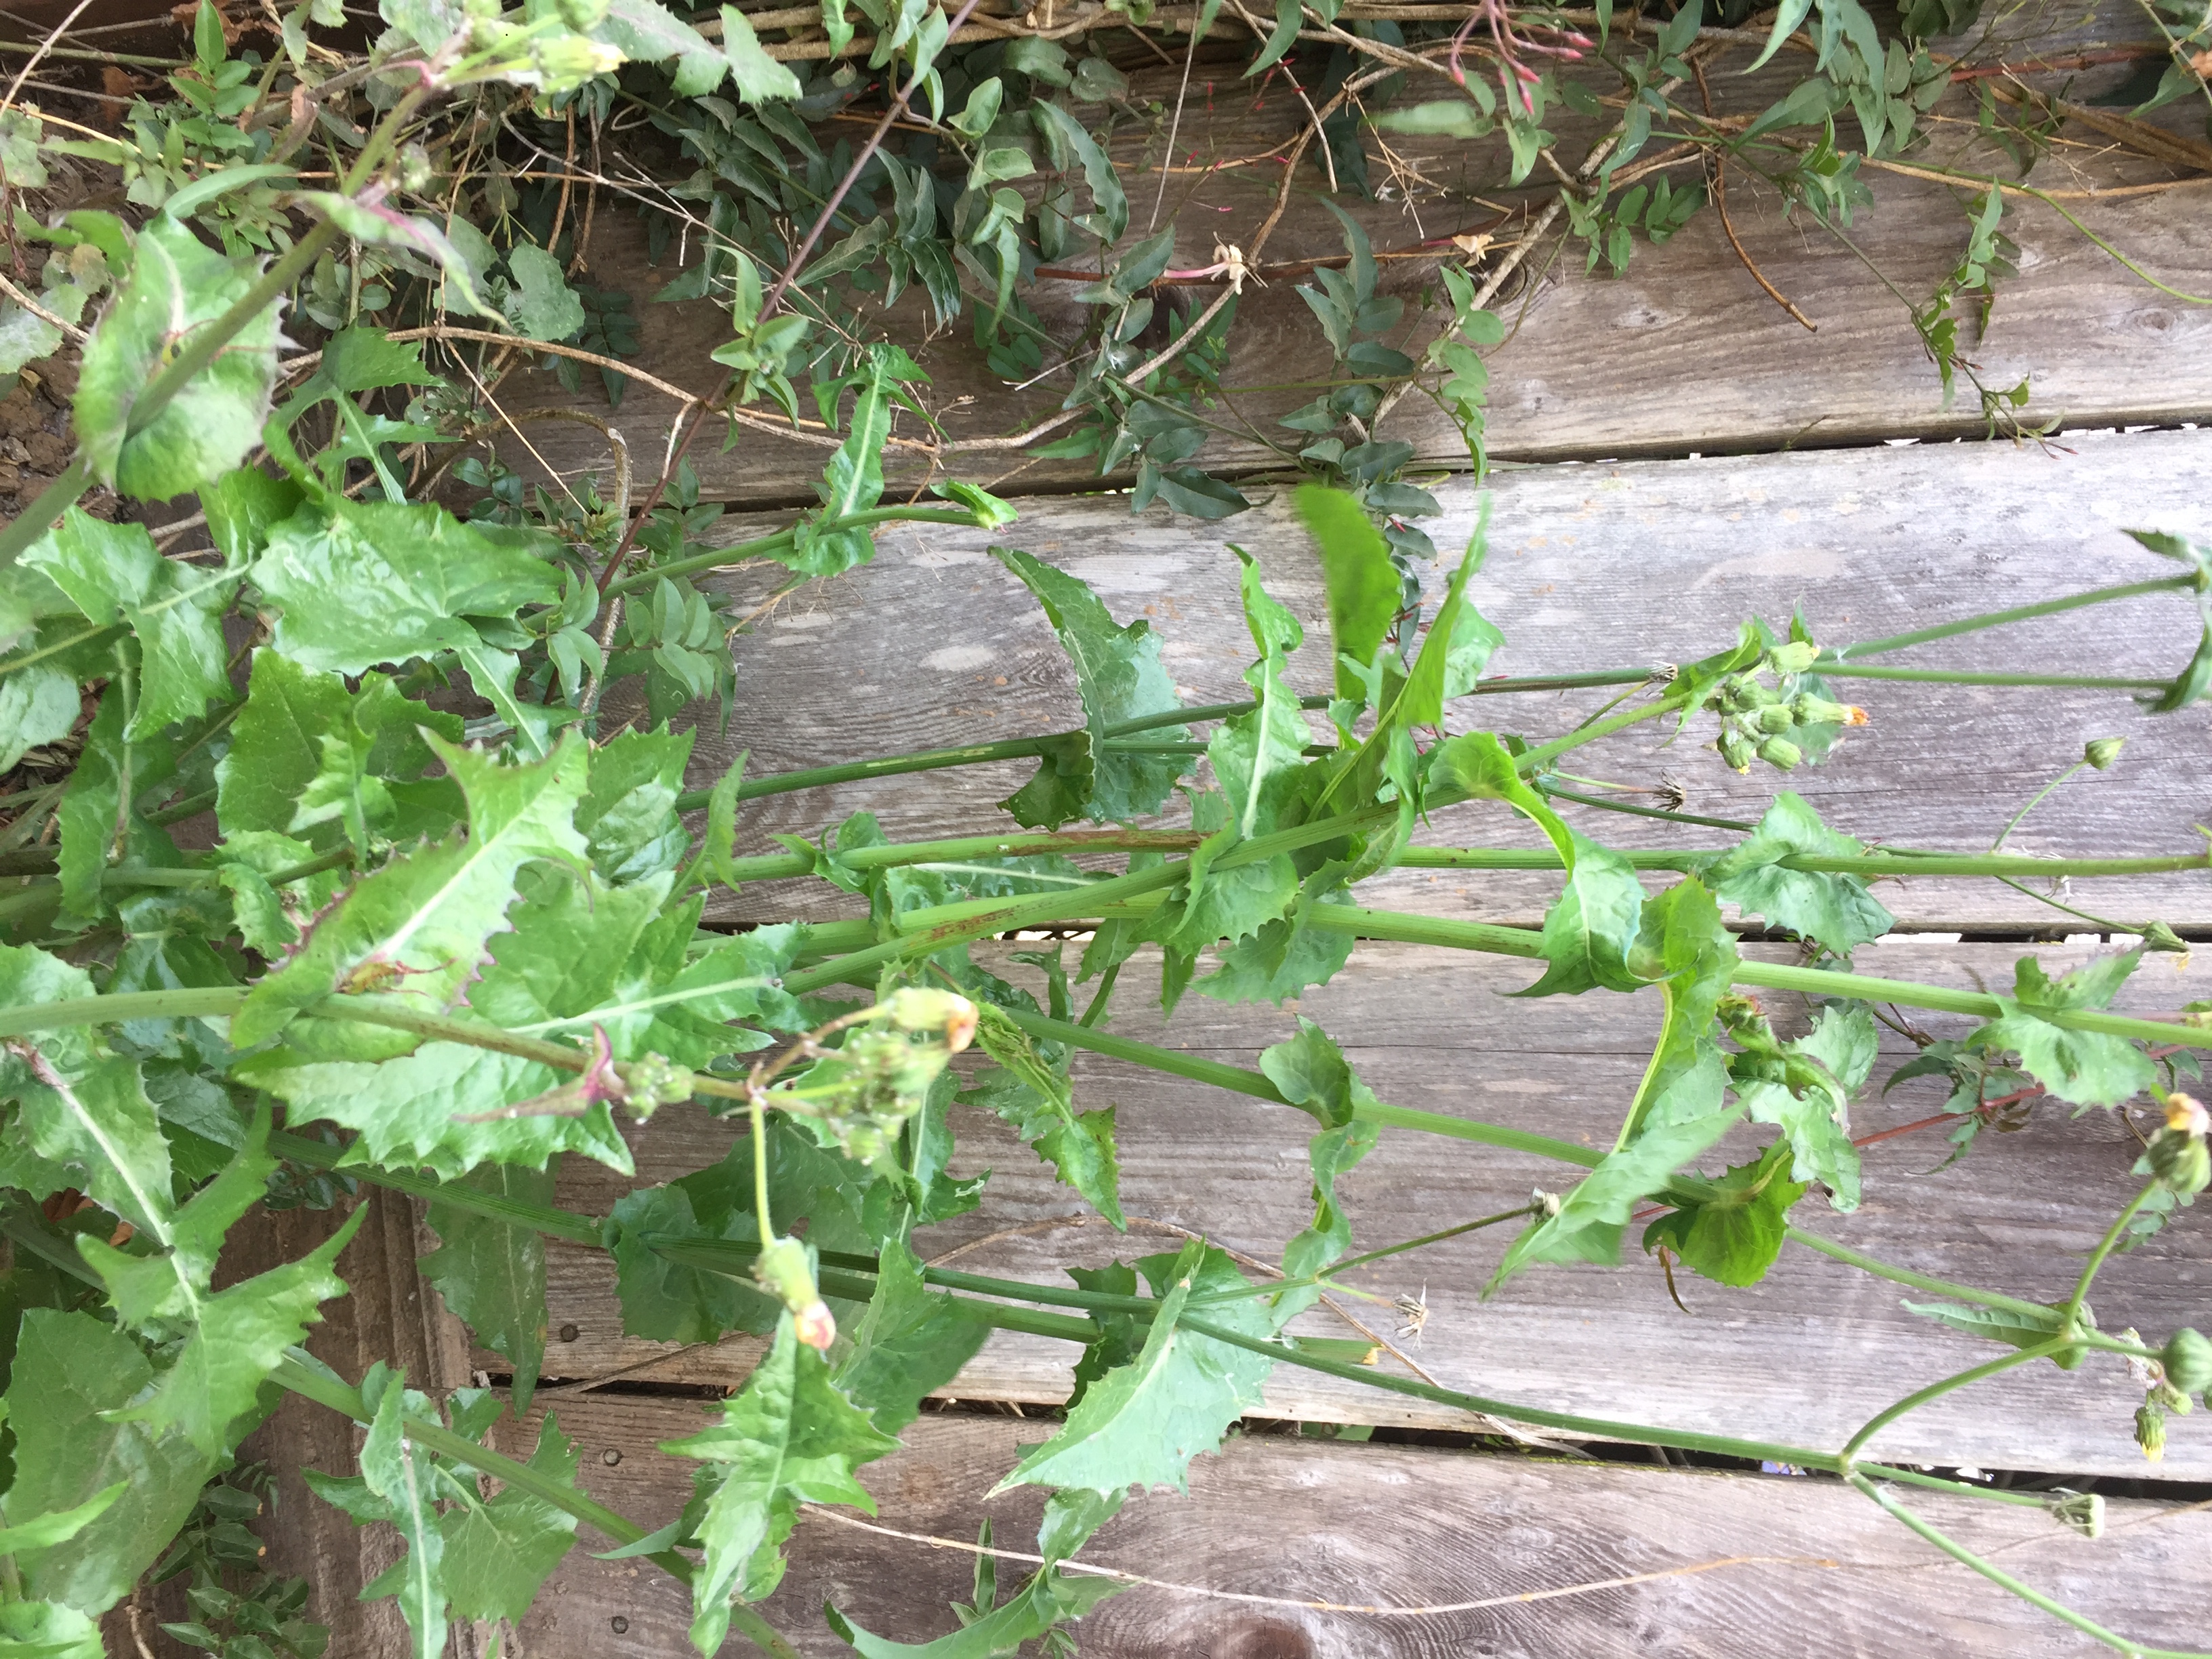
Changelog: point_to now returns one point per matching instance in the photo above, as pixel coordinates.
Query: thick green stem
(2004, 1580)
(48, 505)
(779, 866)
(1864, 1263)
(205, 344)
(1829, 661)
(1820, 982)
(210, 1003)
(300, 1375)
(460, 1195)
(1812, 981)
(1869, 864)
(1596, 1428)
(1966, 676)
(2025, 1500)
(929, 760)
(1542, 756)
(1257, 1084)
(2072, 1318)
(1935, 1391)
(729, 1258)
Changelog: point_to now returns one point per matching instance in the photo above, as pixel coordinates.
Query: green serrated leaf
(1119, 677)
(304, 751)
(1833, 909)
(911, 1342)
(2088, 1068)
(646, 32)
(668, 1301)
(496, 1556)
(1288, 956)
(38, 705)
(1732, 1236)
(1680, 1108)
(361, 583)
(112, 574)
(1142, 1422)
(1314, 1077)
(1035, 1096)
(758, 76)
(628, 814)
(1590, 929)
(1332, 1153)
(99, 818)
(791, 1437)
(541, 305)
(58, 1525)
(398, 1471)
(70, 1371)
(79, 1108)
(2012, 1326)
(430, 912)
(46, 1630)
(492, 1273)
(1258, 758)
(1816, 1118)
(177, 285)
(211, 1394)
(406, 1110)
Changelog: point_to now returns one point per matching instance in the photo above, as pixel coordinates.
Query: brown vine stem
(1249, 1599)
(1728, 226)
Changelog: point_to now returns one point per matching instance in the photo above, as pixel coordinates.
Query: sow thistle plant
(448, 920)
(439, 966)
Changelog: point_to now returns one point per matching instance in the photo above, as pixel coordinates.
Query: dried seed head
(2084, 1512)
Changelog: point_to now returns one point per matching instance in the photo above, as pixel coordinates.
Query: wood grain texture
(1684, 353)
(389, 1314)
(1590, 566)
(1802, 1359)
(1398, 1526)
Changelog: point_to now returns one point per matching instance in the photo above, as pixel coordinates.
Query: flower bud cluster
(864, 1091)
(2181, 1370)
(653, 1081)
(1757, 721)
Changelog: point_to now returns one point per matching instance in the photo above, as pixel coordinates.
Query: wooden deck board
(934, 644)
(1402, 1526)
(1802, 1359)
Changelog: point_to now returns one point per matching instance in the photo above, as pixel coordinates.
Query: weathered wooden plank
(1590, 566)
(387, 1314)
(1400, 1526)
(1802, 1359)
(1685, 353)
